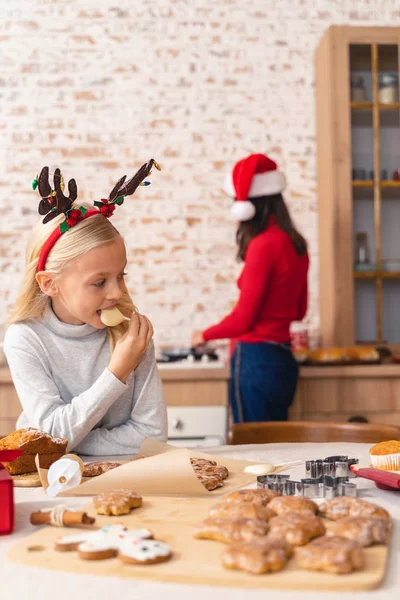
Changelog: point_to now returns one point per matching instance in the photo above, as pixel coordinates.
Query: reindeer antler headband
(54, 202)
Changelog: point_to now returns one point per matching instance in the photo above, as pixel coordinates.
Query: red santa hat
(256, 175)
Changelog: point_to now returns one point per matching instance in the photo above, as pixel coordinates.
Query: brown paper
(166, 471)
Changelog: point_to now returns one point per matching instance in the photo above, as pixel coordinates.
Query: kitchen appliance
(194, 425)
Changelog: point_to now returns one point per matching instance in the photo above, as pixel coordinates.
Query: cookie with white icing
(144, 552)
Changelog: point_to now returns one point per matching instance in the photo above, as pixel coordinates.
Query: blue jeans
(263, 382)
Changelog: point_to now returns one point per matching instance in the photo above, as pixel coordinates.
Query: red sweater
(273, 291)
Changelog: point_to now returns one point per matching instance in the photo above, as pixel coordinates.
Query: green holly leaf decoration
(83, 210)
(119, 200)
(35, 184)
(64, 227)
(98, 204)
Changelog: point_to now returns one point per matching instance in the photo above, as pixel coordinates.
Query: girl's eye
(100, 283)
(122, 276)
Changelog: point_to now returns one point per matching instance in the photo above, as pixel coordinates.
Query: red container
(7, 492)
(299, 340)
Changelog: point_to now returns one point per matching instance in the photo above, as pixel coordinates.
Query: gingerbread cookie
(346, 506)
(364, 530)
(202, 462)
(103, 543)
(144, 552)
(298, 504)
(210, 482)
(258, 496)
(296, 528)
(218, 470)
(245, 510)
(261, 555)
(332, 554)
(98, 468)
(230, 531)
(118, 502)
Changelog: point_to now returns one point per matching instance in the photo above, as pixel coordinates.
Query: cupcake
(386, 455)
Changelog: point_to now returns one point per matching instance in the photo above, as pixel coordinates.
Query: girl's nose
(114, 291)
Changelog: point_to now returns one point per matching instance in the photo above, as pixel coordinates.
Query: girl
(98, 387)
(273, 293)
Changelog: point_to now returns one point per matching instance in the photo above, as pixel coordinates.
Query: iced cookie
(364, 530)
(246, 510)
(218, 470)
(332, 554)
(296, 528)
(210, 482)
(118, 502)
(108, 542)
(144, 552)
(259, 556)
(297, 504)
(229, 531)
(258, 496)
(346, 506)
(111, 535)
(98, 468)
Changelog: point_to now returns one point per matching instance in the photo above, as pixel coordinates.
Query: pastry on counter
(118, 502)
(346, 506)
(32, 441)
(299, 504)
(332, 554)
(259, 556)
(230, 531)
(332, 355)
(364, 530)
(296, 529)
(363, 354)
(386, 455)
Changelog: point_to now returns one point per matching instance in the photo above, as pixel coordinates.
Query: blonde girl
(96, 386)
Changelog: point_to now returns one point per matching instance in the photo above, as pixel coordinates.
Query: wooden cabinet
(358, 136)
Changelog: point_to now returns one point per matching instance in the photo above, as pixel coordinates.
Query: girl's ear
(46, 283)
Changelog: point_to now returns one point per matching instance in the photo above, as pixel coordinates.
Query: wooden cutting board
(194, 561)
(27, 480)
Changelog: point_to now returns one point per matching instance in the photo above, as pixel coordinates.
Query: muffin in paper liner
(386, 462)
(386, 455)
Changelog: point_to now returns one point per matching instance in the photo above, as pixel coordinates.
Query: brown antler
(54, 202)
(129, 188)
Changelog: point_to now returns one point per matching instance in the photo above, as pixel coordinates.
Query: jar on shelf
(388, 88)
(358, 92)
(362, 255)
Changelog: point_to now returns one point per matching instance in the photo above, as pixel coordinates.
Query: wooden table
(22, 583)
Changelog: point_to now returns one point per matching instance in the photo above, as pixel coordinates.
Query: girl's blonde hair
(90, 233)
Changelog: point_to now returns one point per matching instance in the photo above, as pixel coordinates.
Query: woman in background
(273, 293)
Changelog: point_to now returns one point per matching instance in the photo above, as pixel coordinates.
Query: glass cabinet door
(375, 161)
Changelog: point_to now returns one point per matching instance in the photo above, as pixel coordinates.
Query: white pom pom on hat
(256, 175)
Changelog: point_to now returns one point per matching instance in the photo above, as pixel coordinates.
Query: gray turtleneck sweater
(65, 388)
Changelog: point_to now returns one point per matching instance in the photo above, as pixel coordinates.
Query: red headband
(54, 202)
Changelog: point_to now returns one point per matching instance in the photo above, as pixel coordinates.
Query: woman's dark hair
(266, 206)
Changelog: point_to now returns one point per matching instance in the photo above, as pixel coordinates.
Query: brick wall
(99, 87)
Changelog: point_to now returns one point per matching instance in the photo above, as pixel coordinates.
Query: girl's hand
(197, 339)
(131, 347)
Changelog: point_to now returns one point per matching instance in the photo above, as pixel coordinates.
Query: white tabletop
(18, 582)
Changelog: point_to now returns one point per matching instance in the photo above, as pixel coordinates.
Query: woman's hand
(131, 347)
(197, 339)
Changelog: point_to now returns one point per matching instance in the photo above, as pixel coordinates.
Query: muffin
(386, 455)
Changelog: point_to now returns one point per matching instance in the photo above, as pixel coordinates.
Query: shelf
(376, 274)
(369, 183)
(370, 105)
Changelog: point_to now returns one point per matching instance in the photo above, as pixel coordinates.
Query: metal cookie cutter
(310, 487)
(334, 466)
